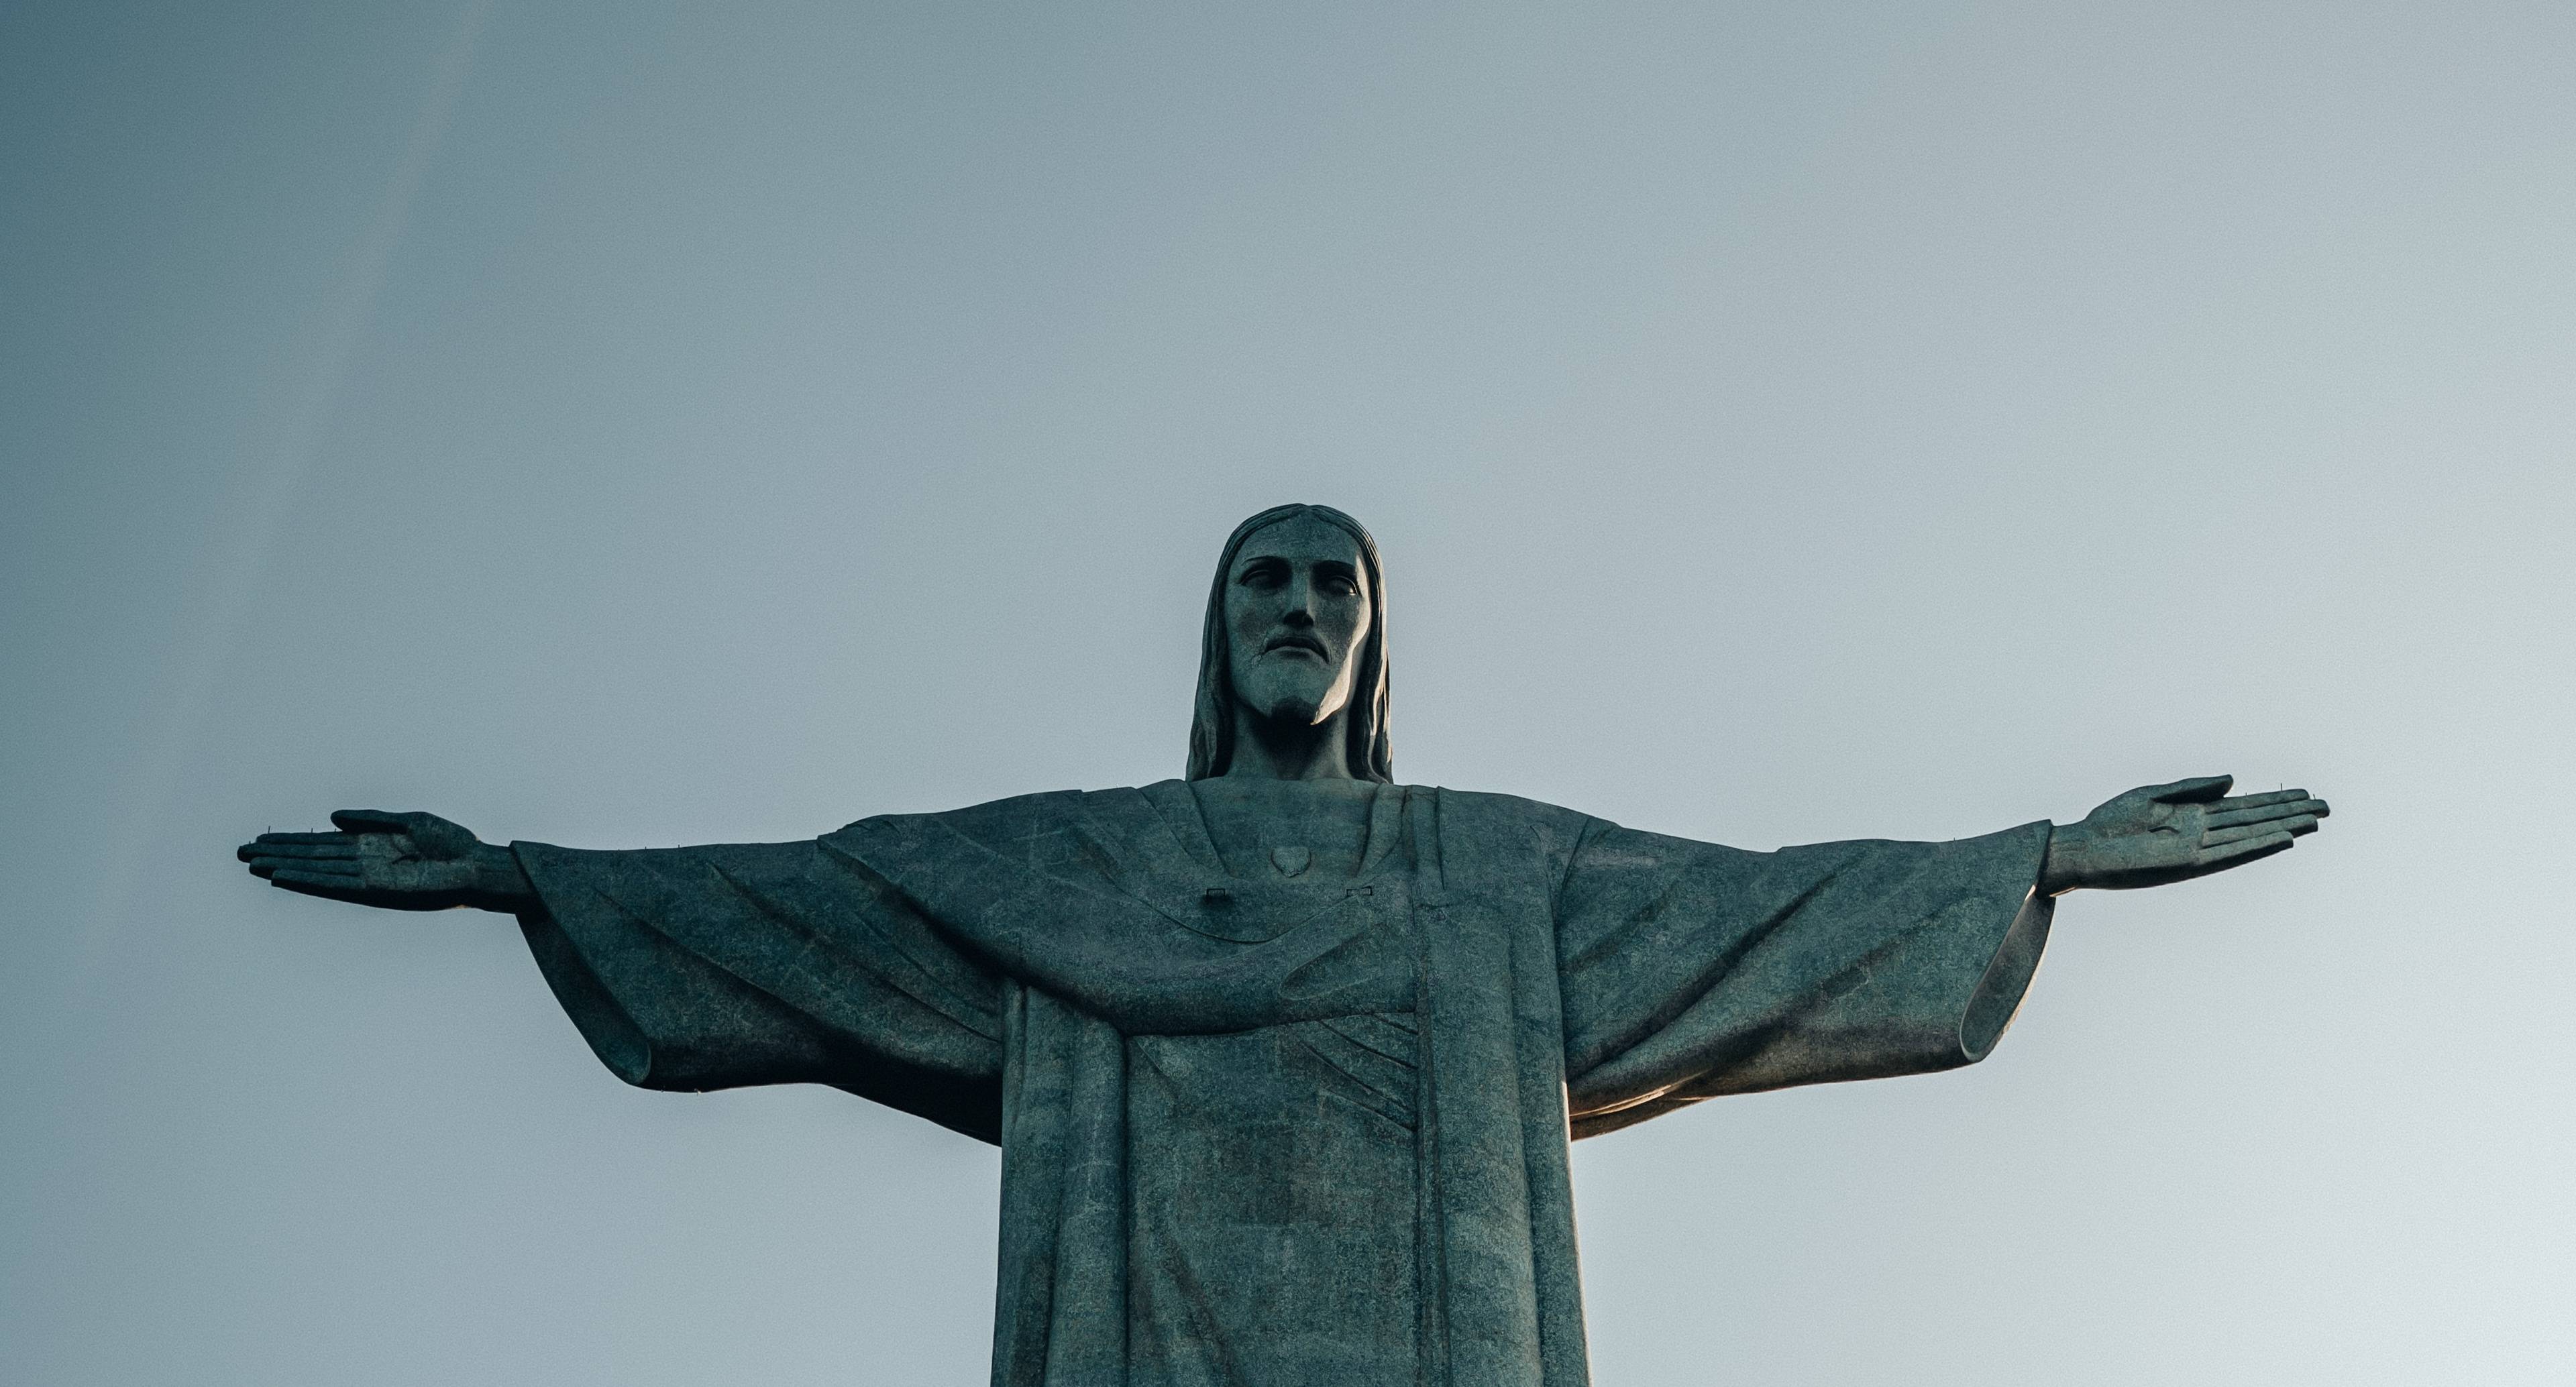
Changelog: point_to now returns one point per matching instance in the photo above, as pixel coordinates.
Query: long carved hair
(1212, 728)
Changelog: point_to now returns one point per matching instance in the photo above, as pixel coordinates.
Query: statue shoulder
(1486, 813)
(1000, 818)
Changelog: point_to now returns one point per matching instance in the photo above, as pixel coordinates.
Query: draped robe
(1289, 1131)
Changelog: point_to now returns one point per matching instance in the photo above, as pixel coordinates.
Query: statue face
(1296, 609)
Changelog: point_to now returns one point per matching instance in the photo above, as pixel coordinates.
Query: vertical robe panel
(1060, 1315)
(1509, 1303)
(1517, 857)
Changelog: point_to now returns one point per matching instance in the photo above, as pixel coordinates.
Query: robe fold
(1285, 1132)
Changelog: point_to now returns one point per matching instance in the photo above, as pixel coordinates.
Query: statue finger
(2197, 790)
(2258, 801)
(2297, 827)
(373, 821)
(316, 884)
(2276, 809)
(301, 838)
(340, 847)
(271, 866)
(2239, 853)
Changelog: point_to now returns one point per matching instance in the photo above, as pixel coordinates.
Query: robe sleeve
(716, 967)
(1690, 970)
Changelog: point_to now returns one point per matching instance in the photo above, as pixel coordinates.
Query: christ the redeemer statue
(1283, 1057)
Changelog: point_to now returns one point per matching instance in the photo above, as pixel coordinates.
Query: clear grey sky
(626, 424)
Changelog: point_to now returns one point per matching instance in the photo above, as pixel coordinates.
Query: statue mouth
(1308, 644)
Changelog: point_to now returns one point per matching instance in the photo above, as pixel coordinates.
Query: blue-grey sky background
(626, 424)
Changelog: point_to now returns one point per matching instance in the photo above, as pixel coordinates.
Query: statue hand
(395, 861)
(2163, 833)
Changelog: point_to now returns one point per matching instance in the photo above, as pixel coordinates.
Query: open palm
(405, 861)
(2164, 833)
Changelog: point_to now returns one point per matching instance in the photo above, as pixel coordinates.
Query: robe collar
(1158, 842)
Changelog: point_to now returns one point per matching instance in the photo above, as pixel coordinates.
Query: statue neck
(1268, 750)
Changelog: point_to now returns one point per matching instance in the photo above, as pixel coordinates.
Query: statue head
(1296, 637)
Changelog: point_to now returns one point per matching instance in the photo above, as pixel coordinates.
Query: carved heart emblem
(1290, 861)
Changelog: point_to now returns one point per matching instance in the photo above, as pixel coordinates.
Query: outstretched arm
(393, 861)
(704, 967)
(2165, 833)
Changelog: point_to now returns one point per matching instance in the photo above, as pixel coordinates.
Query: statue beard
(1291, 703)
